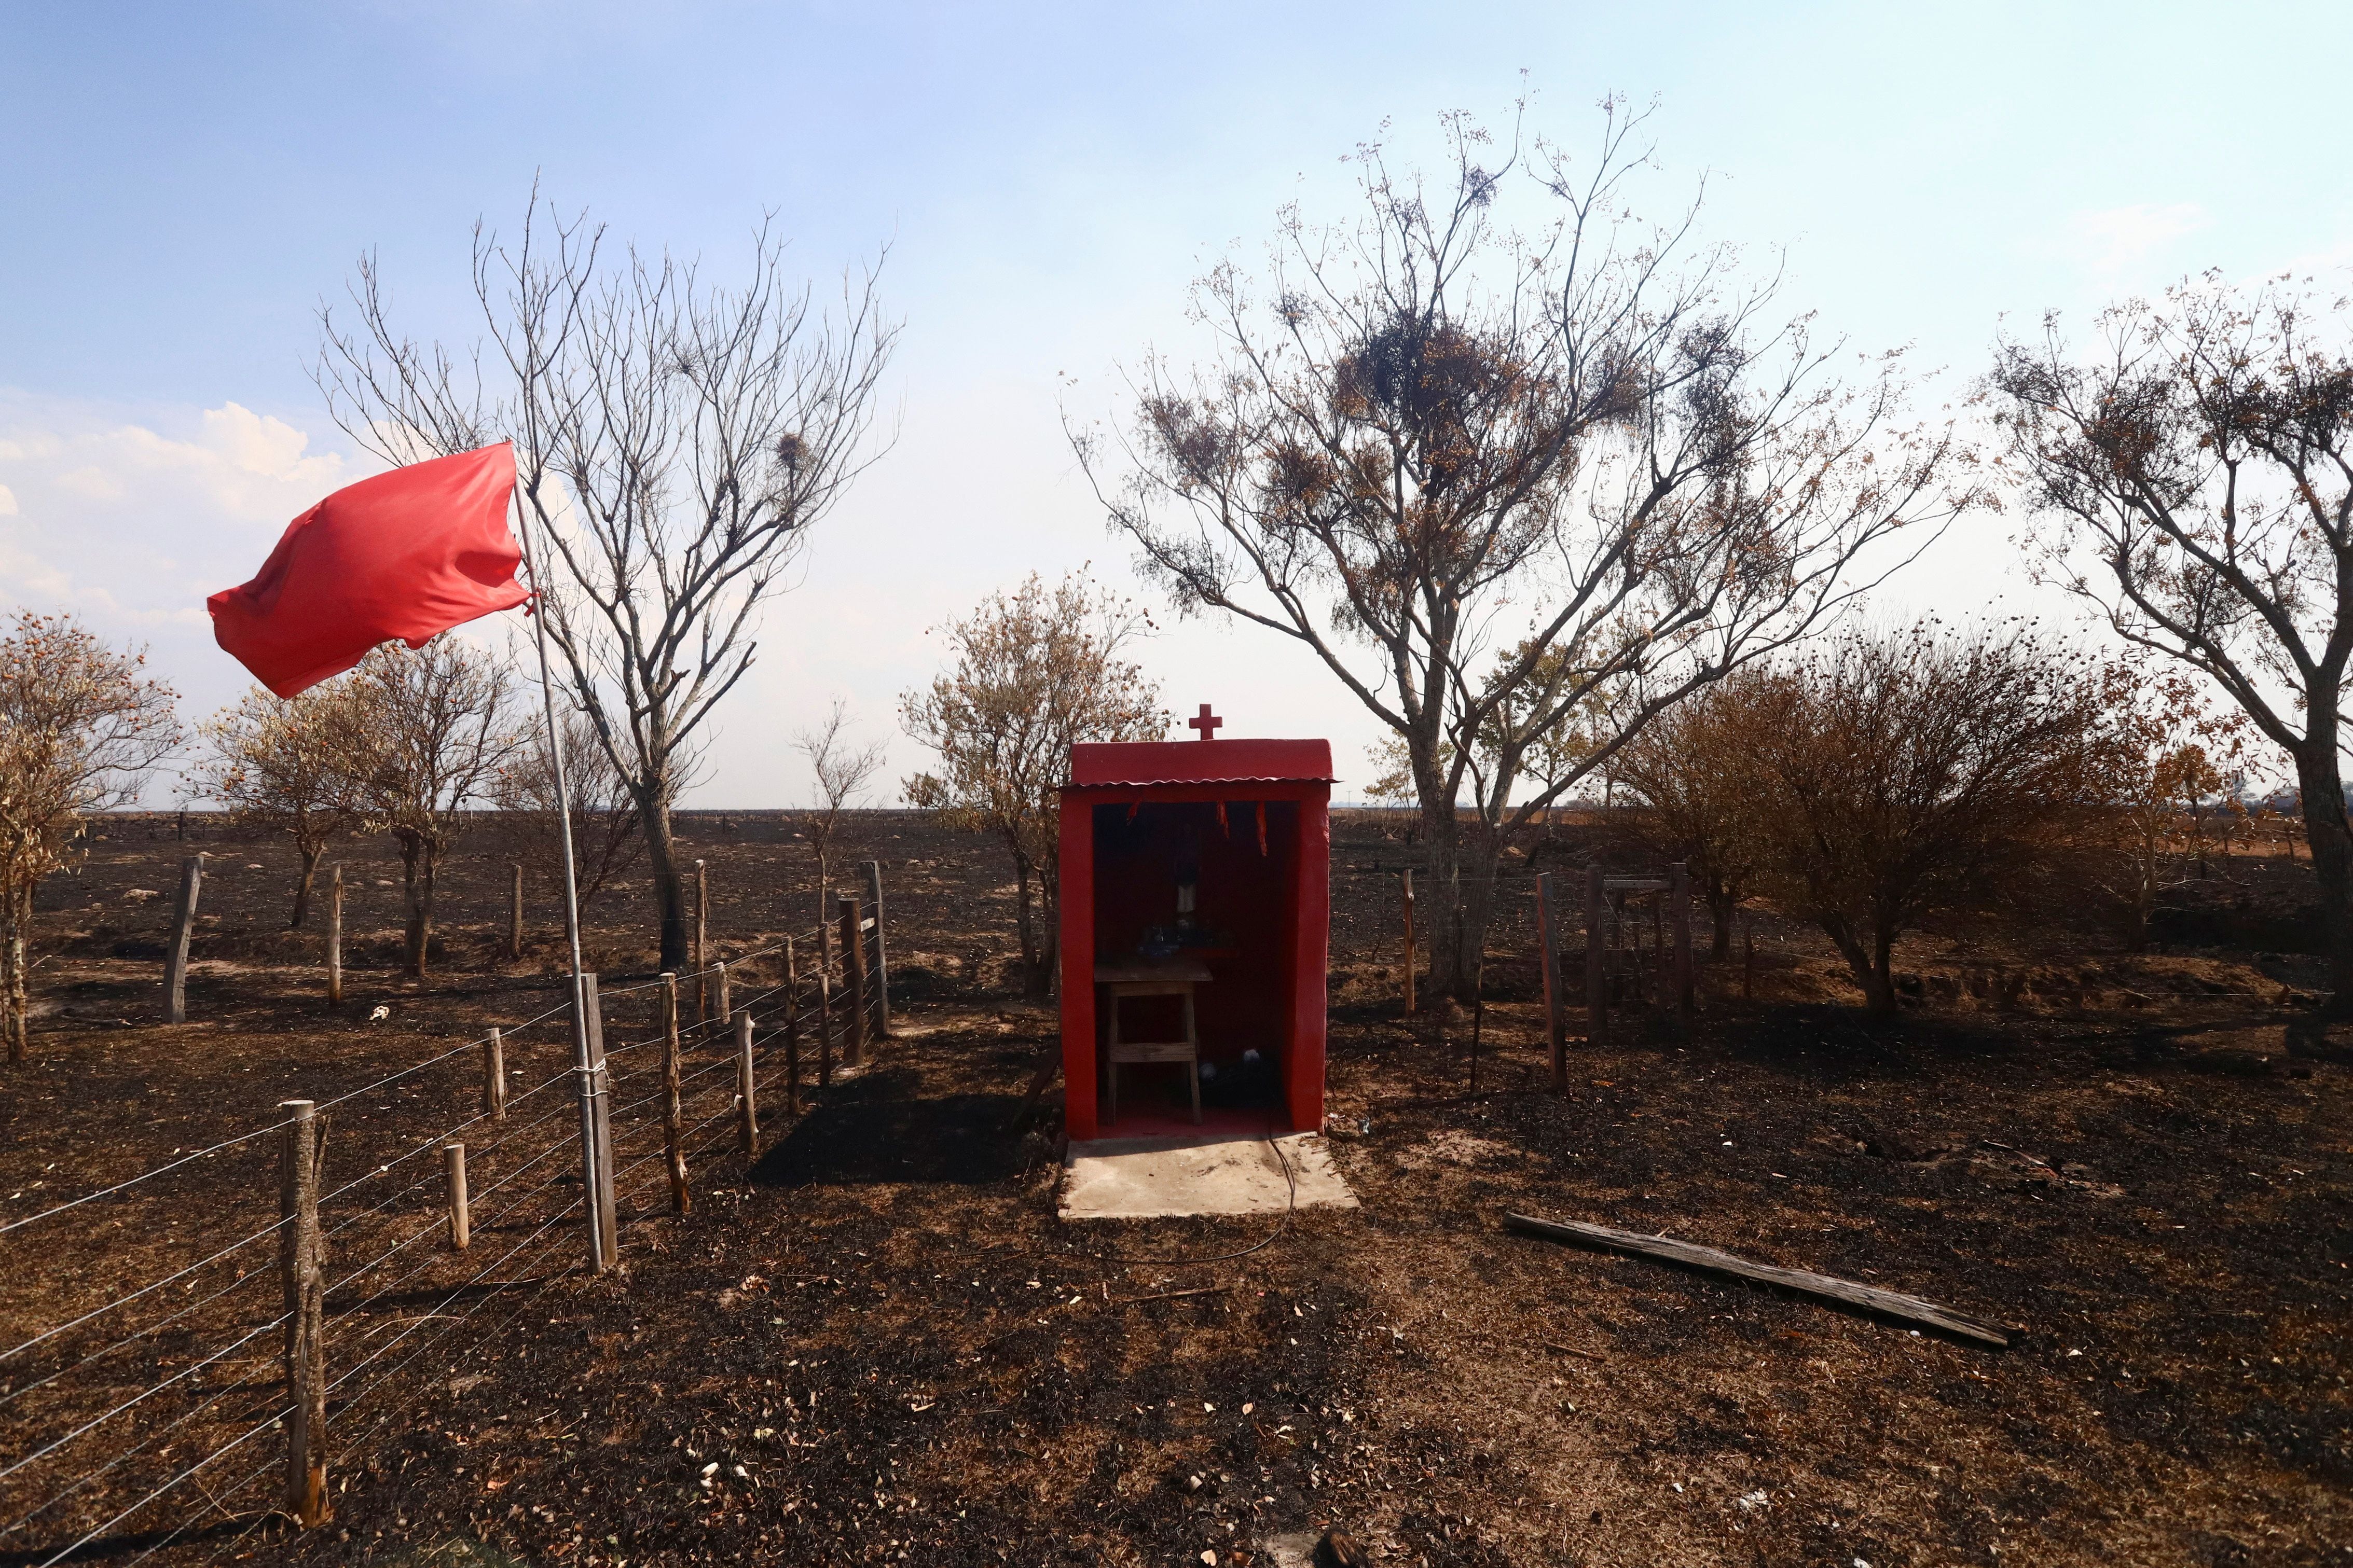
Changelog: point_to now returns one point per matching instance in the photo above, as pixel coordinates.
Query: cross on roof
(1207, 722)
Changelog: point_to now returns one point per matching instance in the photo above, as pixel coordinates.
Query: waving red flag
(407, 554)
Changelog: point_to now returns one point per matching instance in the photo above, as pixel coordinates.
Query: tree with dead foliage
(841, 768)
(1687, 774)
(2193, 481)
(1892, 775)
(2166, 751)
(1483, 473)
(287, 766)
(81, 728)
(676, 440)
(439, 732)
(1034, 672)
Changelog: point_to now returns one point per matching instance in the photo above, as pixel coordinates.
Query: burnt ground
(876, 1343)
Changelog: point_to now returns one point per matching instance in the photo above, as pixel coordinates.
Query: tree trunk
(2322, 784)
(1477, 861)
(2143, 898)
(416, 864)
(1873, 976)
(311, 856)
(1878, 990)
(14, 911)
(1720, 906)
(1033, 972)
(1049, 948)
(1442, 868)
(670, 894)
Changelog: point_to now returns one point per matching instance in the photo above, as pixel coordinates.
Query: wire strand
(97, 1313)
(260, 1131)
(147, 1175)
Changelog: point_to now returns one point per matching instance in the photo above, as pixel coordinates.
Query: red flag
(407, 554)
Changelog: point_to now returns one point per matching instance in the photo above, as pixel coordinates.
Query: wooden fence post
(1549, 942)
(725, 1010)
(461, 1219)
(747, 1087)
(494, 1077)
(183, 923)
(701, 941)
(792, 1035)
(514, 910)
(301, 1258)
(853, 984)
(824, 1006)
(1679, 917)
(596, 1161)
(335, 940)
(1596, 995)
(673, 1118)
(1409, 941)
(873, 870)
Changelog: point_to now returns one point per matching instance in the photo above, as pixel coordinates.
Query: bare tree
(287, 766)
(2195, 483)
(1891, 777)
(842, 770)
(1483, 474)
(606, 838)
(81, 727)
(675, 441)
(438, 722)
(1035, 672)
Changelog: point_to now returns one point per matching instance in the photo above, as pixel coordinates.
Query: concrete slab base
(1160, 1178)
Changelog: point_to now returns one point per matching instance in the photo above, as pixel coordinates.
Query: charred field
(874, 1341)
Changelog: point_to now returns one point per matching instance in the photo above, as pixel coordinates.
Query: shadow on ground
(874, 1128)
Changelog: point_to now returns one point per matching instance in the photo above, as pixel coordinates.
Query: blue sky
(181, 185)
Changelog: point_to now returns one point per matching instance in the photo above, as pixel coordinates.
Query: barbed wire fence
(1597, 941)
(203, 1405)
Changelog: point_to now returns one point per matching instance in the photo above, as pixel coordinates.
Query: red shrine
(1195, 922)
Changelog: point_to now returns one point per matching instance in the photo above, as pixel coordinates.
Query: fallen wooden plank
(1891, 1304)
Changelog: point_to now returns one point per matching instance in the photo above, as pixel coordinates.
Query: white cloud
(92, 483)
(247, 464)
(129, 522)
(2113, 240)
(146, 516)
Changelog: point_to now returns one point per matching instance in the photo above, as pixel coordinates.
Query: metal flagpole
(587, 1073)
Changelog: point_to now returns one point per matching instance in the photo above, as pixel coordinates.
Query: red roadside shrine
(1195, 922)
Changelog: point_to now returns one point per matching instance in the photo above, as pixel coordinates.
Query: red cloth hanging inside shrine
(407, 554)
